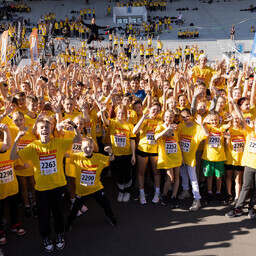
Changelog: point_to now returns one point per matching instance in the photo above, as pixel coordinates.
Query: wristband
(111, 154)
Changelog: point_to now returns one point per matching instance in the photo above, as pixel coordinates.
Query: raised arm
(14, 153)
(7, 141)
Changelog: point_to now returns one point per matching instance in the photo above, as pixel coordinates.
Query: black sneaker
(219, 198)
(112, 221)
(164, 200)
(28, 213)
(34, 211)
(251, 213)
(208, 198)
(229, 199)
(48, 245)
(60, 242)
(174, 202)
(234, 213)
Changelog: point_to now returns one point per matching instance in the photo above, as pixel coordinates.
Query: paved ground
(146, 230)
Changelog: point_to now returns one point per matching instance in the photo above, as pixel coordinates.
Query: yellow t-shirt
(203, 75)
(147, 141)
(22, 143)
(120, 135)
(169, 152)
(214, 149)
(8, 180)
(190, 139)
(234, 152)
(132, 116)
(47, 161)
(30, 121)
(250, 116)
(249, 156)
(88, 172)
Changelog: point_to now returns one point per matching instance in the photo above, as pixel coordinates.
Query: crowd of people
(188, 34)
(131, 110)
(177, 116)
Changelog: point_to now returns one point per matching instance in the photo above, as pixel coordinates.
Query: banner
(49, 29)
(18, 31)
(33, 42)
(3, 47)
(253, 52)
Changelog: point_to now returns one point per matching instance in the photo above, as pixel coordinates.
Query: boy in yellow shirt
(47, 155)
(214, 153)
(88, 167)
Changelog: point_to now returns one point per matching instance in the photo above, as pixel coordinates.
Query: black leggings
(94, 37)
(122, 167)
(101, 199)
(12, 201)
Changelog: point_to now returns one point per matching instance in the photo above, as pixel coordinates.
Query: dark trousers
(94, 37)
(122, 167)
(50, 201)
(249, 177)
(101, 199)
(12, 201)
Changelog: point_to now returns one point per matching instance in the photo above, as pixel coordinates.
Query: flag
(253, 52)
(18, 30)
(33, 41)
(3, 47)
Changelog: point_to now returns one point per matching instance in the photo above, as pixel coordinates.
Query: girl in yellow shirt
(234, 153)
(147, 150)
(123, 146)
(169, 156)
(190, 134)
(24, 170)
(8, 184)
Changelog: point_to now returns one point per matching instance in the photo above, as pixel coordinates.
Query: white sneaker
(156, 198)
(120, 197)
(79, 213)
(195, 206)
(143, 199)
(84, 209)
(126, 197)
(184, 194)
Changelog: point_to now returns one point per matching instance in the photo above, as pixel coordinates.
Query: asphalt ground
(145, 230)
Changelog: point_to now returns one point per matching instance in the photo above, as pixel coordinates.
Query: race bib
(6, 174)
(170, 146)
(21, 146)
(150, 136)
(248, 120)
(88, 130)
(200, 79)
(97, 128)
(238, 145)
(48, 164)
(87, 177)
(185, 144)
(252, 145)
(76, 147)
(214, 140)
(120, 140)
